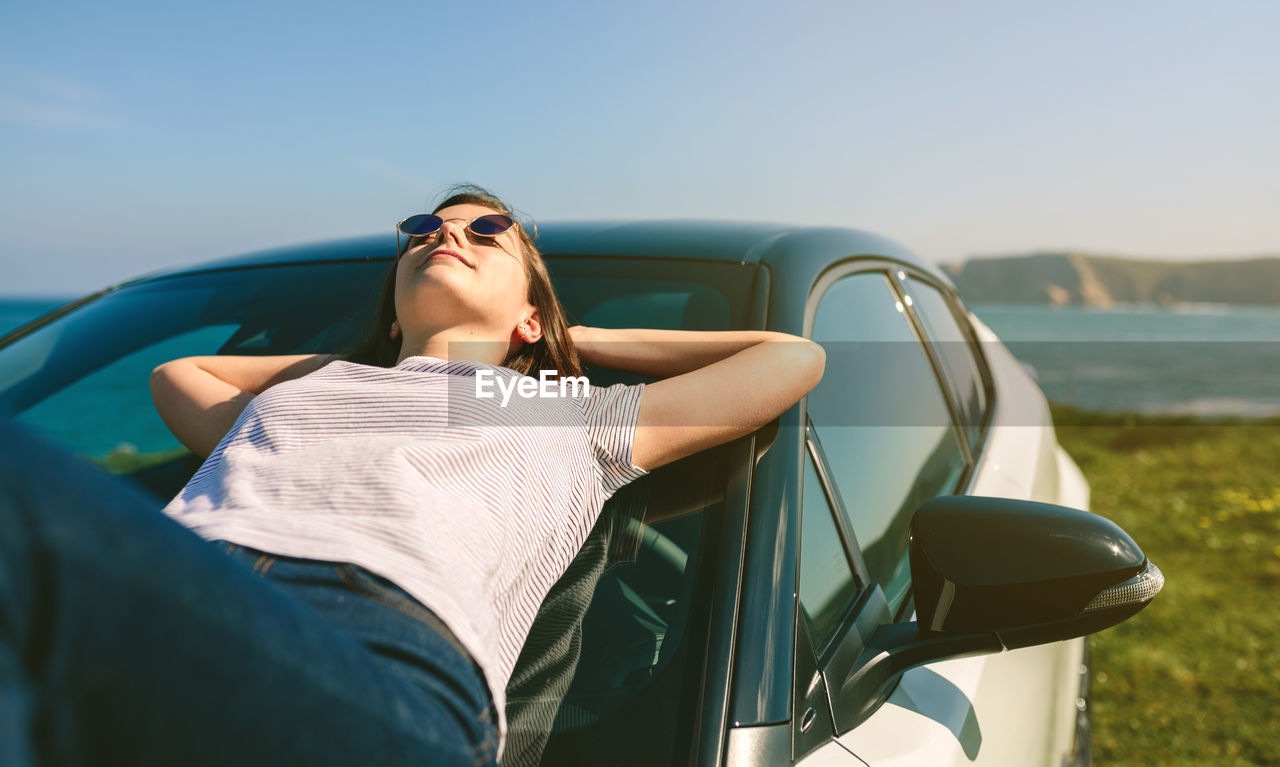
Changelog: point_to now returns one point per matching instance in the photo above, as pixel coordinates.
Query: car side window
(956, 353)
(82, 380)
(884, 423)
(108, 416)
(827, 583)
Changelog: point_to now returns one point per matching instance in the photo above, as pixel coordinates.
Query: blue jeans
(125, 638)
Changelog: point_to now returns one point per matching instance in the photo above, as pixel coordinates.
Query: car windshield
(611, 669)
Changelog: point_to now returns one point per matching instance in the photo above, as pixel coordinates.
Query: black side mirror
(991, 574)
(1028, 572)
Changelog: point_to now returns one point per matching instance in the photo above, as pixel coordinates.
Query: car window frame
(898, 278)
(870, 609)
(812, 716)
(890, 269)
(849, 539)
(960, 315)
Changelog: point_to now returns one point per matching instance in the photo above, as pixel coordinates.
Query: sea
(1205, 360)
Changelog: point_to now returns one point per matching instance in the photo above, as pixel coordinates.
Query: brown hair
(553, 351)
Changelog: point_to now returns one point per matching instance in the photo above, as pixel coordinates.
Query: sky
(138, 136)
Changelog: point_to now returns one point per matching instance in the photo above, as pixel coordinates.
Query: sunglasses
(490, 225)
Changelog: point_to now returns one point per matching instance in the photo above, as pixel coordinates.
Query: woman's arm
(200, 398)
(717, 386)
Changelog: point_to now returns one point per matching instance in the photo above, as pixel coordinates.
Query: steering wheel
(664, 550)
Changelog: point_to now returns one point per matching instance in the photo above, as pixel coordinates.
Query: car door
(900, 417)
(1022, 704)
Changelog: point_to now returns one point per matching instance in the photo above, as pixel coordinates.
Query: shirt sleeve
(626, 521)
(611, 414)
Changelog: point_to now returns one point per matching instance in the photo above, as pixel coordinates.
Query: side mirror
(1030, 573)
(991, 574)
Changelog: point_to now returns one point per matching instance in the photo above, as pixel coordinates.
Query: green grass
(1194, 679)
(126, 460)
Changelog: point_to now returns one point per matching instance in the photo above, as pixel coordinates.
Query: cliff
(1091, 280)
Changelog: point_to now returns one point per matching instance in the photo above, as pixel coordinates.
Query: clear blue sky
(143, 135)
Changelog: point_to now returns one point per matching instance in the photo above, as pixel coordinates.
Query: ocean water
(1200, 323)
(1207, 360)
(1202, 360)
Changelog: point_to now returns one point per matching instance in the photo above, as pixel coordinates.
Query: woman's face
(453, 279)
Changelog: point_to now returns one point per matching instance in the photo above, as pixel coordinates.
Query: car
(900, 570)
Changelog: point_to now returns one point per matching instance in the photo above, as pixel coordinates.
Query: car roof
(703, 240)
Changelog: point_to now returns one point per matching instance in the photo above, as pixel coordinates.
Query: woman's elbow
(798, 367)
(809, 361)
(160, 379)
(164, 371)
(818, 361)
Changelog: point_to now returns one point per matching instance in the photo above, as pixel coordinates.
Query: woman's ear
(531, 329)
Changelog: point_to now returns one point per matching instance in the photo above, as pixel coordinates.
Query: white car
(846, 587)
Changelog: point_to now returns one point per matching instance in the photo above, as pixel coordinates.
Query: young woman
(398, 528)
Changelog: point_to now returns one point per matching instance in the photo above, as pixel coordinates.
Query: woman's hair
(553, 351)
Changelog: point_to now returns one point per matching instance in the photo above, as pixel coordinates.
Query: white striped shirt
(473, 508)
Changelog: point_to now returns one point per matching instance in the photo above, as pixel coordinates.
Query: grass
(1194, 679)
(125, 459)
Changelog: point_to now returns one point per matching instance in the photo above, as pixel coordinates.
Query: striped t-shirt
(473, 507)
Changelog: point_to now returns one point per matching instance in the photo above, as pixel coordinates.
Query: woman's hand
(717, 386)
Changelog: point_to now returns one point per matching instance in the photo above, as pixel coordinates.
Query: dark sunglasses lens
(423, 223)
(491, 225)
